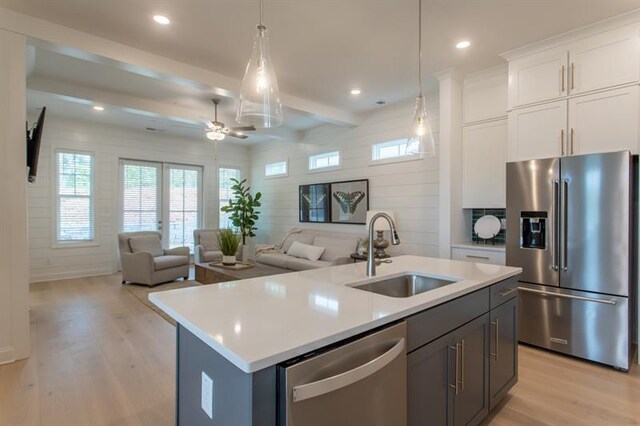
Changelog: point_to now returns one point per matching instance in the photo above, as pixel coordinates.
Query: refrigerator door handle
(569, 296)
(555, 253)
(564, 194)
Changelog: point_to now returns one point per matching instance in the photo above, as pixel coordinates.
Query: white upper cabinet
(485, 96)
(605, 121)
(484, 158)
(537, 78)
(605, 60)
(538, 132)
(601, 60)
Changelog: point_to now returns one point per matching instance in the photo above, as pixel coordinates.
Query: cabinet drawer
(503, 291)
(478, 255)
(427, 326)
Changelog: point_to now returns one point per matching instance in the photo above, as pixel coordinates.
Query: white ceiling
(321, 48)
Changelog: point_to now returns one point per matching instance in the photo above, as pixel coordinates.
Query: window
(74, 201)
(395, 149)
(183, 205)
(140, 196)
(325, 160)
(156, 194)
(225, 194)
(276, 169)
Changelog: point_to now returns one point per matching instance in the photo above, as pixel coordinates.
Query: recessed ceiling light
(98, 108)
(463, 44)
(161, 19)
(355, 91)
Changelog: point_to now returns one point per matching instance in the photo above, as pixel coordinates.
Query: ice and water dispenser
(533, 230)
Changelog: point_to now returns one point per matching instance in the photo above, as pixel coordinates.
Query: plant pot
(228, 260)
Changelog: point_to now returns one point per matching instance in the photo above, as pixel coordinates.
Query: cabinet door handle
(562, 77)
(572, 135)
(497, 324)
(562, 142)
(455, 378)
(573, 72)
(462, 367)
(477, 257)
(507, 292)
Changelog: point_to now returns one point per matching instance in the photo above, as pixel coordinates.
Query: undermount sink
(405, 285)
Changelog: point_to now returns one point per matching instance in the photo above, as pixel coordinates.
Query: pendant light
(421, 139)
(259, 104)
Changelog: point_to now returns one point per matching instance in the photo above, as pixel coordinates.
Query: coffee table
(207, 274)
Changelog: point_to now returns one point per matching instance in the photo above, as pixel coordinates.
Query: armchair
(206, 245)
(144, 261)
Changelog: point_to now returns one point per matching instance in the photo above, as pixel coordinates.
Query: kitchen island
(233, 337)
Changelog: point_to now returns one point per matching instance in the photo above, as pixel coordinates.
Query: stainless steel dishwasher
(361, 383)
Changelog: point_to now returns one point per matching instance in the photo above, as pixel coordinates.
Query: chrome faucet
(371, 261)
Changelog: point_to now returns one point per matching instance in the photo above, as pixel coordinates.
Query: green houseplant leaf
(243, 209)
(228, 242)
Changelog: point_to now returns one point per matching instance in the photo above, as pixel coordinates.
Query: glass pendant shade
(421, 140)
(259, 104)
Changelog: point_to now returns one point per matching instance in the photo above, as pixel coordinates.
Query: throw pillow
(148, 243)
(305, 251)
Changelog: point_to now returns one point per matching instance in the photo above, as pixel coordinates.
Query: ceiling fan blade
(236, 135)
(243, 129)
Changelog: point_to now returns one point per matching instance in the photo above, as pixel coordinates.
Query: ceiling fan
(217, 131)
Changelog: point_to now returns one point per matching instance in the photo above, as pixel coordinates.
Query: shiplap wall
(409, 189)
(109, 144)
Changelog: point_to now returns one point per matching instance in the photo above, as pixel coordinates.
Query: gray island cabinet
(462, 358)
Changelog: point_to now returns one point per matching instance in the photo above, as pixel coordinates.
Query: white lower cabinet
(538, 131)
(484, 158)
(602, 122)
(478, 255)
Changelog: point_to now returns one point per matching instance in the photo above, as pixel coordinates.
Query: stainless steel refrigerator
(570, 227)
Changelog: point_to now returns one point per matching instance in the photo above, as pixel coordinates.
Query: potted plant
(228, 242)
(243, 209)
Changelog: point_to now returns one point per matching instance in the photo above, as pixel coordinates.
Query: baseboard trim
(69, 275)
(7, 355)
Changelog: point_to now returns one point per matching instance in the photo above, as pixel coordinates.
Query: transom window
(395, 149)
(74, 200)
(276, 169)
(324, 160)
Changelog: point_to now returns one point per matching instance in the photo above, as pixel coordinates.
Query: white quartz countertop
(260, 322)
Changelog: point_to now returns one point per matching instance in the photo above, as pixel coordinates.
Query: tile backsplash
(477, 214)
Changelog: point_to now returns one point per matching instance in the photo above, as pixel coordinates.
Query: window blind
(225, 193)
(184, 187)
(75, 221)
(140, 197)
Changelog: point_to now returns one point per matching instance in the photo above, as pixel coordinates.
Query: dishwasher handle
(333, 383)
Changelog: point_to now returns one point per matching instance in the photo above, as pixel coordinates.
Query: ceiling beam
(138, 105)
(89, 47)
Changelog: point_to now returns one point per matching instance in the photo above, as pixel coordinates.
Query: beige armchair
(144, 261)
(206, 245)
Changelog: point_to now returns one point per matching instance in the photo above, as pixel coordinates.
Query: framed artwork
(350, 201)
(314, 203)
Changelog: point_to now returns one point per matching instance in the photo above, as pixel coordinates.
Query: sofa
(144, 261)
(338, 247)
(205, 243)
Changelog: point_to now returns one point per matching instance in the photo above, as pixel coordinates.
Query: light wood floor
(100, 357)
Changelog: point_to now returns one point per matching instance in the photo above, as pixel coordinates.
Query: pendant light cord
(419, 46)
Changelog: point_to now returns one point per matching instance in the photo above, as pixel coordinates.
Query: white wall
(14, 296)
(109, 144)
(409, 189)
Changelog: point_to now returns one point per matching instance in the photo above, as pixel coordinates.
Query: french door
(161, 197)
